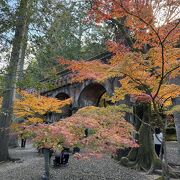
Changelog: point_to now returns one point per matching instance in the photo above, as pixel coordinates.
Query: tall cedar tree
(10, 80)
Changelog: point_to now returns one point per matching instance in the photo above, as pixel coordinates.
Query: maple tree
(145, 59)
(109, 131)
(102, 122)
(32, 108)
(36, 106)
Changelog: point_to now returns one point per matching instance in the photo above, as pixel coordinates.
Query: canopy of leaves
(34, 107)
(32, 110)
(143, 72)
(108, 131)
(65, 33)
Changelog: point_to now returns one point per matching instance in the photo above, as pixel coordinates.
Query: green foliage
(66, 35)
(104, 112)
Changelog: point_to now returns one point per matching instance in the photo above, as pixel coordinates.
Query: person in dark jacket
(65, 156)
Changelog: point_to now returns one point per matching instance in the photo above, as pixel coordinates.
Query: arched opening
(62, 96)
(91, 95)
(66, 110)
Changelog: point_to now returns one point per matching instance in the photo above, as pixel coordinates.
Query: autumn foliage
(108, 131)
(145, 58)
(34, 107)
(31, 109)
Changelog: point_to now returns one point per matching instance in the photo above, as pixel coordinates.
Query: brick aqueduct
(90, 92)
(83, 94)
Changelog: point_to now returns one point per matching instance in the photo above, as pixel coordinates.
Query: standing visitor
(158, 136)
(23, 142)
(23, 138)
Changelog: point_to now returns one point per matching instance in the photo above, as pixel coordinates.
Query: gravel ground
(31, 167)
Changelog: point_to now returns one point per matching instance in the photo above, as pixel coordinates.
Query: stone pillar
(109, 86)
(176, 101)
(177, 122)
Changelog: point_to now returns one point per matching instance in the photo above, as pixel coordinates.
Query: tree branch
(142, 20)
(167, 73)
(171, 31)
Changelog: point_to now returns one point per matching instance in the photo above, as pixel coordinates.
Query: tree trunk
(165, 168)
(13, 138)
(167, 171)
(144, 157)
(22, 57)
(6, 114)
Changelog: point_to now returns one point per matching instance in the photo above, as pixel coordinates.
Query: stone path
(172, 152)
(32, 164)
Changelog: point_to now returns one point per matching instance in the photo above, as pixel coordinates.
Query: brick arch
(91, 94)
